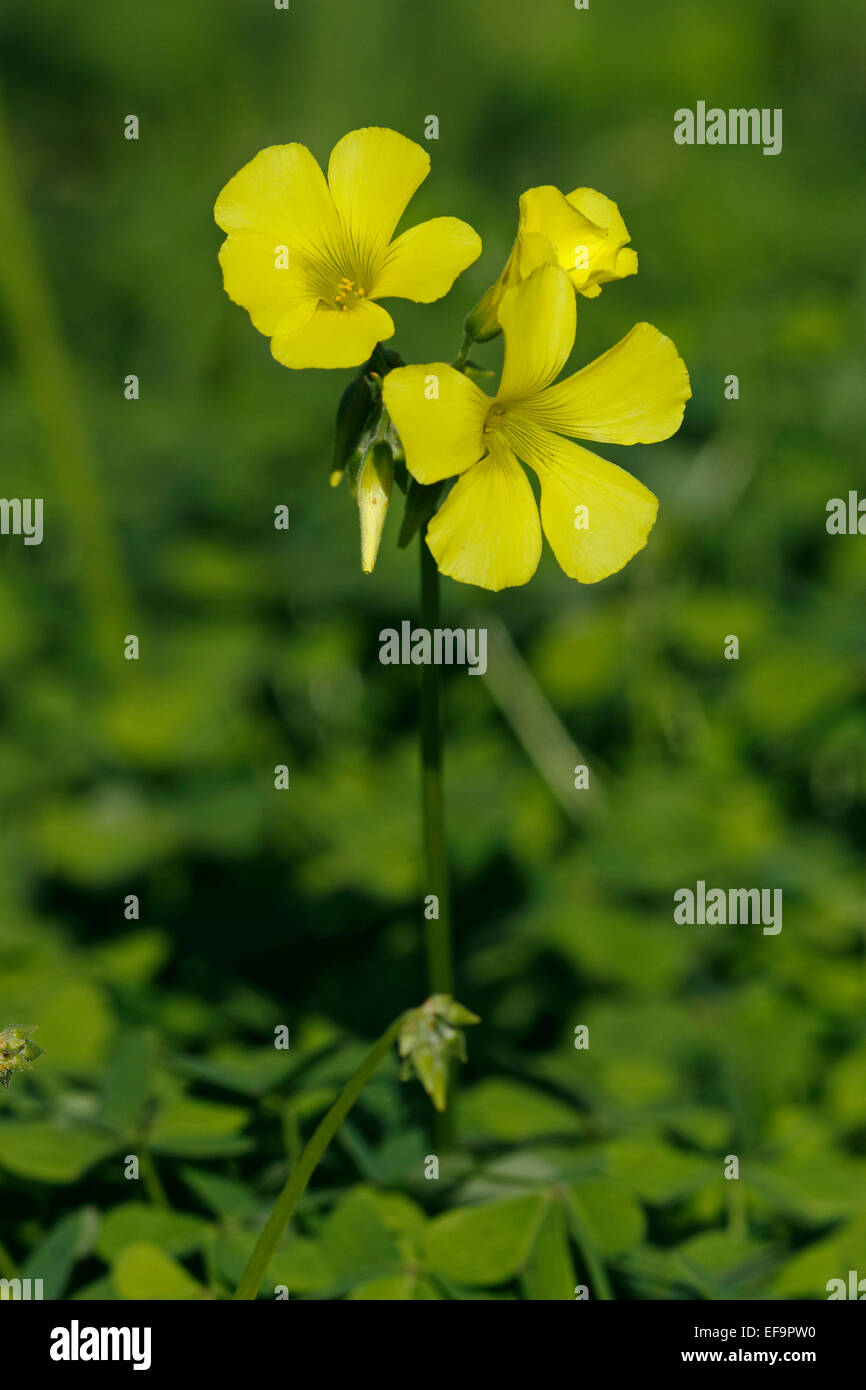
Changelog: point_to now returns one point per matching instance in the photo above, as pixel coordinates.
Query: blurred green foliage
(259, 908)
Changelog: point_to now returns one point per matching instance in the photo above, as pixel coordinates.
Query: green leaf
(205, 1146)
(657, 1172)
(483, 1245)
(224, 1196)
(548, 1273)
(733, 1265)
(174, 1232)
(396, 1156)
(143, 1272)
(396, 1211)
(356, 1241)
(48, 1153)
(54, 1259)
(127, 1080)
(846, 1090)
(100, 1290)
(247, 1071)
(396, 1288)
(816, 1187)
(613, 1218)
(806, 1275)
(512, 1110)
(132, 960)
(75, 1027)
(300, 1265)
(189, 1127)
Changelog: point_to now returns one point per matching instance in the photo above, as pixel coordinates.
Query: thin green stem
(440, 968)
(460, 360)
(294, 1189)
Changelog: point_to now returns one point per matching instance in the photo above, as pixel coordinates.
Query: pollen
(347, 294)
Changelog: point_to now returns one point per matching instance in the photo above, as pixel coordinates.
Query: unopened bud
(372, 493)
(429, 1042)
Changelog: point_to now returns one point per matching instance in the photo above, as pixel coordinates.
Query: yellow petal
(281, 192)
(532, 250)
(424, 262)
(609, 261)
(602, 211)
(635, 393)
(578, 240)
(439, 414)
(538, 319)
(276, 296)
(619, 511)
(626, 263)
(334, 338)
(373, 174)
(487, 531)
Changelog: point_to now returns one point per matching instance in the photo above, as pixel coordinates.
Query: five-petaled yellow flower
(595, 515)
(307, 258)
(582, 232)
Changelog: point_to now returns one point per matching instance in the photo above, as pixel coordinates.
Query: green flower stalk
(427, 1041)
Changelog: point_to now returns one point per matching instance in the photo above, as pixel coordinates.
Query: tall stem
(440, 968)
(294, 1189)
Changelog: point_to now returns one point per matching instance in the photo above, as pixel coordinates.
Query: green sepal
(477, 373)
(421, 503)
(353, 413)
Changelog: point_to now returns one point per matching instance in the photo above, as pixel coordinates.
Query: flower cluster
(309, 259)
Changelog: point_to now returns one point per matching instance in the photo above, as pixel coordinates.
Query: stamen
(347, 293)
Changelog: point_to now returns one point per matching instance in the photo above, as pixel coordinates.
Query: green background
(260, 908)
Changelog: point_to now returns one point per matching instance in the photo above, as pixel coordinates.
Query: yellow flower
(582, 232)
(595, 515)
(307, 258)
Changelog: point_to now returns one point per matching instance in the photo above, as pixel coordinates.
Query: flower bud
(372, 489)
(429, 1042)
(583, 233)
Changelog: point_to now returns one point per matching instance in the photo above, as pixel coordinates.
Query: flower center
(495, 418)
(347, 294)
